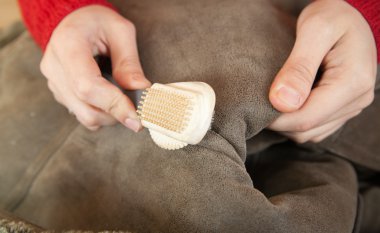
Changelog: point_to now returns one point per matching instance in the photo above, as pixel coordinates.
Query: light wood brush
(177, 114)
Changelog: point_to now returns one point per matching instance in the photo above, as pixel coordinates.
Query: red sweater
(42, 16)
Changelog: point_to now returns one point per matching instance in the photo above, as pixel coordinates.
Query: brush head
(177, 114)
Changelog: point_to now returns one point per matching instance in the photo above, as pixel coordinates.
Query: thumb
(126, 67)
(292, 85)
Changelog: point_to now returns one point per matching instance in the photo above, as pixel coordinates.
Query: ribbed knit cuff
(370, 9)
(43, 16)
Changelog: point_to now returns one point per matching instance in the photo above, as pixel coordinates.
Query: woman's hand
(333, 35)
(75, 78)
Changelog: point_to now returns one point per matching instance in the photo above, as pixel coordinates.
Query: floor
(8, 12)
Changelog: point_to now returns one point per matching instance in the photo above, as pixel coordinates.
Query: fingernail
(133, 124)
(289, 96)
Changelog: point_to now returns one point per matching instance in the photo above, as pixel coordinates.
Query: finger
(126, 66)
(100, 93)
(334, 93)
(327, 134)
(355, 106)
(91, 88)
(323, 102)
(308, 135)
(90, 117)
(292, 85)
(64, 95)
(302, 137)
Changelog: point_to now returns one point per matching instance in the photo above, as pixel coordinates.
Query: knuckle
(125, 25)
(60, 44)
(114, 104)
(130, 26)
(368, 99)
(58, 98)
(83, 89)
(302, 72)
(355, 114)
(50, 85)
(311, 20)
(89, 120)
(322, 23)
(305, 126)
(44, 66)
(129, 67)
(363, 82)
(53, 90)
(299, 138)
(132, 63)
(371, 97)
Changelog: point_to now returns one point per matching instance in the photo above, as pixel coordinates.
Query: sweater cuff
(48, 14)
(370, 9)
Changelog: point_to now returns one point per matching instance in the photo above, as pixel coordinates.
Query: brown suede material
(32, 124)
(58, 175)
(371, 215)
(195, 41)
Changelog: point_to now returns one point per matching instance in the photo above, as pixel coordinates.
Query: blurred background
(9, 12)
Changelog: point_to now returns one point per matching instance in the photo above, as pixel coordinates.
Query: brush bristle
(164, 108)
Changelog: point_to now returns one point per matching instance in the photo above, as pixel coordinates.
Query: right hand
(334, 38)
(74, 76)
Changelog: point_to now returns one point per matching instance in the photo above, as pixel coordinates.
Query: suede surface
(32, 124)
(60, 176)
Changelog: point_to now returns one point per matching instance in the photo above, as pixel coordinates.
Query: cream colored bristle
(166, 109)
(177, 114)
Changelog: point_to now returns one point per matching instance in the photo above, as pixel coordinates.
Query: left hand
(75, 78)
(333, 35)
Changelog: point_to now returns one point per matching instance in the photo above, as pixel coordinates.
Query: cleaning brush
(177, 114)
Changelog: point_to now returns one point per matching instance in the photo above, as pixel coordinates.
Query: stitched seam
(22, 188)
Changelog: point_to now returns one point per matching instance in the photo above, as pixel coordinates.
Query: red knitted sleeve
(370, 9)
(42, 16)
